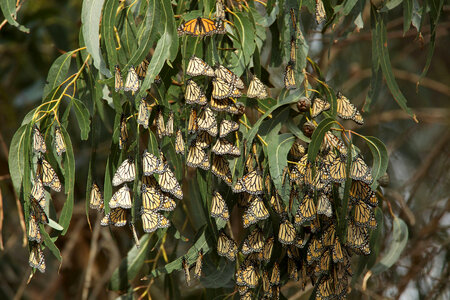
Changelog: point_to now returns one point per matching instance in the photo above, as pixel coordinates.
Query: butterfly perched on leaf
(360, 171)
(117, 217)
(256, 211)
(219, 208)
(226, 127)
(141, 69)
(220, 10)
(197, 67)
(152, 220)
(160, 125)
(197, 157)
(132, 81)
(257, 89)
(192, 123)
(194, 94)
(38, 141)
(251, 183)
(187, 275)
(36, 259)
(96, 197)
(207, 121)
(361, 191)
(320, 13)
(275, 277)
(201, 27)
(315, 250)
(223, 89)
(362, 214)
(228, 76)
(289, 77)
(169, 183)
(254, 242)
(247, 275)
(126, 172)
(306, 211)
(34, 233)
(121, 198)
(221, 168)
(318, 107)
(223, 147)
(293, 50)
(169, 124)
(337, 168)
(37, 191)
(324, 205)
(37, 209)
(179, 142)
(346, 110)
(48, 175)
(60, 146)
(226, 246)
(143, 113)
(358, 238)
(123, 133)
(150, 163)
(198, 265)
(118, 82)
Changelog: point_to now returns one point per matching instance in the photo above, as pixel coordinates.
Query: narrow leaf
(82, 114)
(380, 158)
(57, 73)
(9, 11)
(317, 138)
(16, 157)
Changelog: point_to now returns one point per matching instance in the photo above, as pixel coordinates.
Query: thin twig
(92, 253)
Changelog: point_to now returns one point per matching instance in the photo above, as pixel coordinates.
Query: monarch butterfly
(277, 206)
(194, 94)
(168, 204)
(197, 66)
(363, 214)
(203, 139)
(337, 167)
(38, 210)
(219, 208)
(220, 167)
(60, 146)
(223, 146)
(318, 107)
(198, 265)
(331, 141)
(338, 256)
(360, 171)
(247, 275)
(141, 69)
(132, 81)
(192, 124)
(220, 10)
(179, 143)
(150, 163)
(118, 82)
(292, 269)
(225, 74)
(226, 246)
(358, 118)
(329, 235)
(324, 206)
(169, 183)
(255, 212)
(267, 249)
(226, 127)
(293, 55)
(306, 211)
(123, 136)
(358, 238)
(197, 157)
(236, 109)
(96, 197)
(322, 177)
(38, 141)
(121, 198)
(275, 277)
(200, 27)
(117, 217)
(38, 189)
(320, 12)
(48, 175)
(251, 183)
(286, 233)
(143, 113)
(297, 150)
(345, 109)
(207, 121)
(289, 76)
(187, 275)
(126, 172)
(152, 220)
(360, 191)
(266, 286)
(256, 89)
(254, 242)
(315, 250)
(169, 125)
(221, 104)
(222, 89)
(160, 126)
(326, 285)
(36, 259)
(301, 242)
(34, 233)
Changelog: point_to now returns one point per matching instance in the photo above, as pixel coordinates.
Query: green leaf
(380, 158)
(297, 131)
(217, 273)
(16, 158)
(130, 266)
(191, 255)
(91, 13)
(50, 243)
(69, 182)
(54, 225)
(57, 73)
(391, 4)
(82, 114)
(9, 11)
(383, 53)
(399, 240)
(407, 15)
(108, 34)
(317, 138)
(277, 150)
(245, 44)
(250, 135)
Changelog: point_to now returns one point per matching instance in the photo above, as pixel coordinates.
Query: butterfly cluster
(45, 176)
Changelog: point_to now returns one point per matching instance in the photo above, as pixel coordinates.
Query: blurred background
(418, 190)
